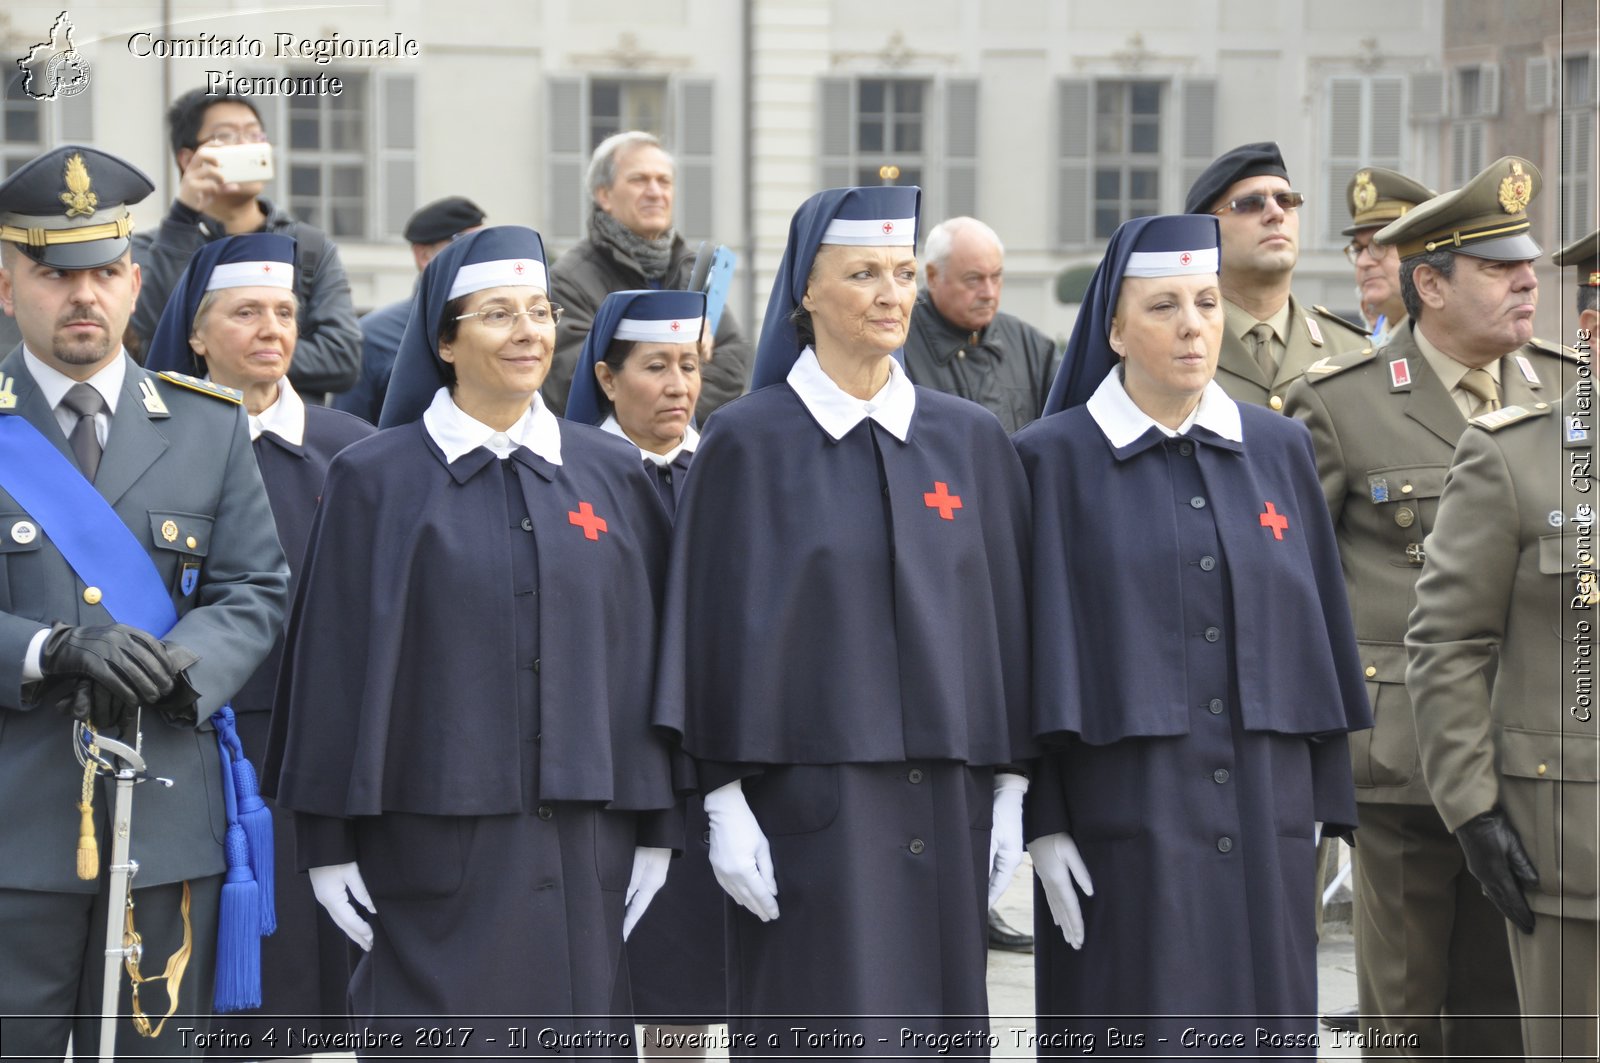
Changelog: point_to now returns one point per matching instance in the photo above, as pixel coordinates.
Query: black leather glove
(84, 700)
(132, 665)
(178, 707)
(1498, 861)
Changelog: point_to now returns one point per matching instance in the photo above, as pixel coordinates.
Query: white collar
(838, 412)
(458, 433)
(54, 384)
(1122, 422)
(285, 418)
(691, 439)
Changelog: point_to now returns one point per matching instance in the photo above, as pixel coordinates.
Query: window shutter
(1489, 90)
(695, 184)
(1197, 119)
(960, 148)
(1460, 154)
(1576, 167)
(836, 132)
(1536, 84)
(1074, 143)
(1385, 121)
(1427, 96)
(566, 201)
(1346, 153)
(397, 151)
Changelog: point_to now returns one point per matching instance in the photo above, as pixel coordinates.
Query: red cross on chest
(1274, 520)
(585, 518)
(941, 499)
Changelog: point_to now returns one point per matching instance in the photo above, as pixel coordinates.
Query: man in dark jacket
(961, 343)
(632, 244)
(328, 356)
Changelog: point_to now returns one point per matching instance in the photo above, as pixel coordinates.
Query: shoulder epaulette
(1323, 311)
(1333, 364)
(204, 387)
(1495, 420)
(1557, 349)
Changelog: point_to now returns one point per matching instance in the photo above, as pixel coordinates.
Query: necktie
(1259, 340)
(85, 401)
(1481, 386)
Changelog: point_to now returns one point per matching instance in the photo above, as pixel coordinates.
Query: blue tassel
(238, 981)
(255, 817)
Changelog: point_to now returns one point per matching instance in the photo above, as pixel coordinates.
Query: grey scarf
(652, 256)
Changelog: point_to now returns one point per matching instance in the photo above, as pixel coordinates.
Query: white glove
(334, 885)
(1005, 839)
(740, 856)
(1058, 865)
(649, 875)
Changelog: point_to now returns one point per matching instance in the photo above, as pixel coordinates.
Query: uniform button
(546, 812)
(527, 524)
(191, 542)
(1543, 768)
(1186, 449)
(1197, 502)
(1406, 489)
(1220, 775)
(536, 664)
(1215, 706)
(917, 845)
(1213, 634)
(92, 595)
(1224, 844)
(1208, 563)
(914, 775)
(1372, 670)
(1405, 516)
(961, 352)
(1275, 402)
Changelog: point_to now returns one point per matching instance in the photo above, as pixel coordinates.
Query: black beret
(442, 219)
(1247, 160)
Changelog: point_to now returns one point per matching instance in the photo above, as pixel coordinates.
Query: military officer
(1376, 197)
(1385, 422)
(122, 494)
(1270, 336)
(1584, 256)
(1509, 591)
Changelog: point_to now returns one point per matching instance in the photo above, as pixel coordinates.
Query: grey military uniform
(1313, 333)
(1428, 949)
(179, 461)
(1504, 597)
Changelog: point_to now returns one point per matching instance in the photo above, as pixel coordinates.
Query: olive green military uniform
(1310, 334)
(1508, 594)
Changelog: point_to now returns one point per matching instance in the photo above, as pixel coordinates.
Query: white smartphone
(241, 163)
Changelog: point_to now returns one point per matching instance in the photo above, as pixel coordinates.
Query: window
(616, 105)
(890, 117)
(1364, 128)
(29, 127)
(327, 159)
(1576, 167)
(1126, 148)
(1474, 98)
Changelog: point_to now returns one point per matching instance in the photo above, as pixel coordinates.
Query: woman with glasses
(1195, 672)
(232, 317)
(464, 720)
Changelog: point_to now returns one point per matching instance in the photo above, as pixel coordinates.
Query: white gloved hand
(649, 875)
(1005, 838)
(334, 885)
(740, 856)
(1058, 865)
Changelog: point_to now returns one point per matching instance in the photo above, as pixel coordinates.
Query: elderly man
(632, 244)
(429, 230)
(1376, 197)
(1270, 336)
(142, 585)
(961, 342)
(1430, 953)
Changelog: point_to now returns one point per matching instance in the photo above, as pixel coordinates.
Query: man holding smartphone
(212, 138)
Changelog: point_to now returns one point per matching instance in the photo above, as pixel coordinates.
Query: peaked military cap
(68, 208)
(1486, 218)
(1377, 196)
(1584, 253)
(1261, 158)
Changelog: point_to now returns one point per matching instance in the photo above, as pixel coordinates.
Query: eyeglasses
(1256, 201)
(1376, 252)
(229, 135)
(501, 319)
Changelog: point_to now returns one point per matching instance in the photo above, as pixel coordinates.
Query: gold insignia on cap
(1365, 194)
(78, 198)
(1516, 190)
(169, 531)
(8, 398)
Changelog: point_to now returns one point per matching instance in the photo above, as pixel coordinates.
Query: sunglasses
(1257, 201)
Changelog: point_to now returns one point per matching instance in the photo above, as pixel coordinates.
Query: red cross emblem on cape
(584, 517)
(941, 499)
(1274, 520)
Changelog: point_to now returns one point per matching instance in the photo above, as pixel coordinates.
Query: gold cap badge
(78, 197)
(1365, 194)
(1516, 190)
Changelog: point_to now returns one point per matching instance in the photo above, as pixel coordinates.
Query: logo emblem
(1274, 520)
(675, 326)
(1185, 258)
(80, 201)
(191, 577)
(585, 518)
(941, 499)
(54, 68)
(169, 531)
(1365, 194)
(888, 227)
(519, 269)
(1399, 373)
(24, 532)
(1516, 190)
